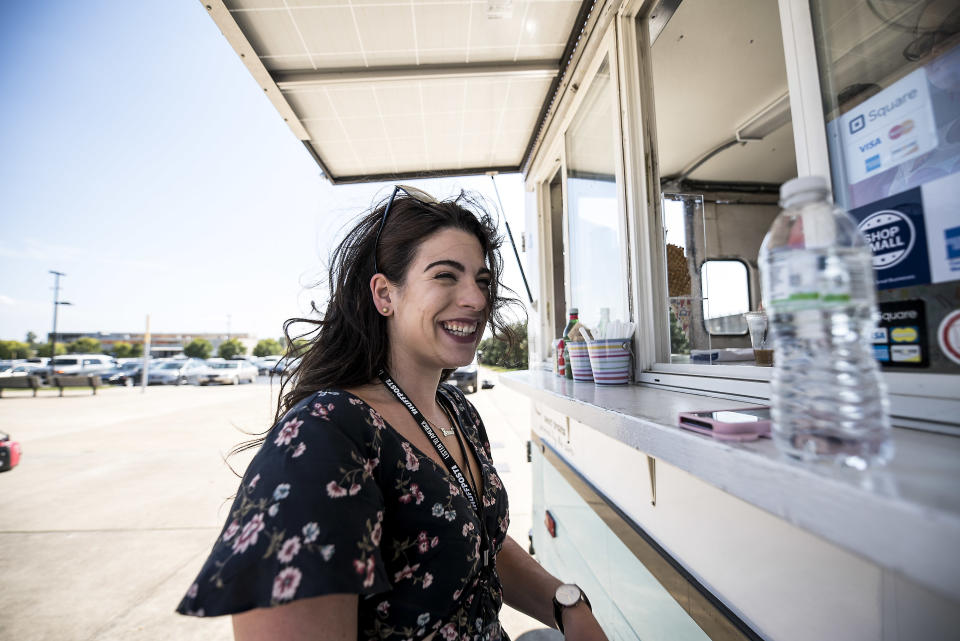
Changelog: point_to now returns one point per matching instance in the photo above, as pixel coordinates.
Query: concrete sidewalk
(119, 496)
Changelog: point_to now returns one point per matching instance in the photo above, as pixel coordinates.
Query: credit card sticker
(905, 353)
(904, 334)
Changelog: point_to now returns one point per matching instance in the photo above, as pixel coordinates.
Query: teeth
(460, 328)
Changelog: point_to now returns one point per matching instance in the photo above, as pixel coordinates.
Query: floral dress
(337, 501)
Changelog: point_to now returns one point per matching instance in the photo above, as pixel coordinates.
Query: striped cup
(580, 361)
(610, 360)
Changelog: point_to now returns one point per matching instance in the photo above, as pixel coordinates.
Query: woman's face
(440, 311)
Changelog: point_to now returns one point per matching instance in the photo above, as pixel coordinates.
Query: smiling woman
(372, 509)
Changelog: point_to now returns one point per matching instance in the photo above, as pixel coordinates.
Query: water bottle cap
(574, 310)
(805, 187)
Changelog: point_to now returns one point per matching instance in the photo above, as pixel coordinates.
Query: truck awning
(387, 89)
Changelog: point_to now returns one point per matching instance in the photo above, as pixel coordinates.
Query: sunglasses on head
(412, 192)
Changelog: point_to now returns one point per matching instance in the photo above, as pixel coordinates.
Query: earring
(385, 310)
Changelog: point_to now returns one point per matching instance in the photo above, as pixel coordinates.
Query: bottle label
(793, 281)
(808, 280)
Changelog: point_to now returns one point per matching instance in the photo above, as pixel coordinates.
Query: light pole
(56, 304)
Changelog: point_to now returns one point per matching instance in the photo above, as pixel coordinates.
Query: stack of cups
(610, 360)
(580, 361)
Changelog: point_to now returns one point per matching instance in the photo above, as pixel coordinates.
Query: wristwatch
(567, 596)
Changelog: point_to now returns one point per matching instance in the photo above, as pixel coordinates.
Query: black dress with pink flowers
(336, 501)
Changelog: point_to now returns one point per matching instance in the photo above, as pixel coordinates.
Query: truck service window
(724, 146)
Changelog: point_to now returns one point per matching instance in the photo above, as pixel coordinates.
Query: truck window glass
(890, 77)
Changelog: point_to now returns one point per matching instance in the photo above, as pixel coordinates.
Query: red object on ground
(9, 452)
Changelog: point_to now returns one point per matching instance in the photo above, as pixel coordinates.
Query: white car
(178, 372)
(231, 372)
(22, 369)
(81, 364)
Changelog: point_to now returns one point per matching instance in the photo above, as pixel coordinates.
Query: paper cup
(580, 361)
(610, 361)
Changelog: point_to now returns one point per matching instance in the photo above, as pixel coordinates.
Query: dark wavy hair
(349, 344)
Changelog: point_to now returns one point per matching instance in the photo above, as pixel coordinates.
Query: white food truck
(653, 137)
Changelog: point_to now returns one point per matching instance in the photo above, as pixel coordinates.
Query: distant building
(161, 345)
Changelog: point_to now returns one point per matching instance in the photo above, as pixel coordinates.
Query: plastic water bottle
(828, 398)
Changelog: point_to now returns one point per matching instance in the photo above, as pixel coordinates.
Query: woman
(372, 509)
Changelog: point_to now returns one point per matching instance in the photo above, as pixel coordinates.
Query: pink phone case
(725, 431)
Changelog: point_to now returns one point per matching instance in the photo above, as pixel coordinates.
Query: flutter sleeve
(307, 518)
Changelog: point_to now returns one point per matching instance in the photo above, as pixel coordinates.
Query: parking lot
(119, 496)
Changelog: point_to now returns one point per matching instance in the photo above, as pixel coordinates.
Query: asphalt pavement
(119, 496)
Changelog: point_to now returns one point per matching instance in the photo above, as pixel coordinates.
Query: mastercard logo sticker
(904, 335)
(903, 128)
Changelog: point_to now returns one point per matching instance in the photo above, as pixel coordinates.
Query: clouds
(6, 301)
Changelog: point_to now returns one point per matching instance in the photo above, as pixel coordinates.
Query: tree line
(197, 348)
(496, 351)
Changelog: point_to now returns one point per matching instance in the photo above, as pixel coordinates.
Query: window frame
(542, 173)
(606, 53)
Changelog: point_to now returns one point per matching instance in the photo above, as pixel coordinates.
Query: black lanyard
(445, 456)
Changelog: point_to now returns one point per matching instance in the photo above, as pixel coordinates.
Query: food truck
(653, 137)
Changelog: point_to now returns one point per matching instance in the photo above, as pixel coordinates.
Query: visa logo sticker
(904, 334)
(879, 335)
(870, 145)
(905, 353)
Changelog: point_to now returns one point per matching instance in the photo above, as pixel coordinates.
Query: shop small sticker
(891, 236)
(948, 336)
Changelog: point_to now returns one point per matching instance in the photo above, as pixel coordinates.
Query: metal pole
(56, 304)
(144, 375)
(512, 244)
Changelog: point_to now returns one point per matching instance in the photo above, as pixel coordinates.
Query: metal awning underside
(385, 89)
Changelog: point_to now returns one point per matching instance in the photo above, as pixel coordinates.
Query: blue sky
(141, 159)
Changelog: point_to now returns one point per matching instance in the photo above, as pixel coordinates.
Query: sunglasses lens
(418, 194)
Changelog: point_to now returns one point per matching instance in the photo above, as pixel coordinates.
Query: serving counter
(866, 551)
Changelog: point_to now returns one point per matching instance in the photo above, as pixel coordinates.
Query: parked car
(9, 452)
(266, 363)
(231, 372)
(284, 364)
(128, 374)
(7, 364)
(80, 364)
(22, 369)
(465, 377)
(178, 372)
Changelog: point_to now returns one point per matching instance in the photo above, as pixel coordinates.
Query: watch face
(568, 595)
